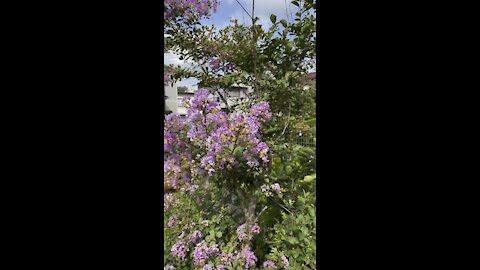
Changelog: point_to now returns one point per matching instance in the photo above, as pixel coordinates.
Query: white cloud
(246, 20)
(171, 58)
(267, 7)
(188, 82)
(240, 16)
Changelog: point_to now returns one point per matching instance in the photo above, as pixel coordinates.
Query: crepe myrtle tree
(217, 165)
(227, 149)
(234, 184)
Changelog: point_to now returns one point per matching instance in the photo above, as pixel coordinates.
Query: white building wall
(172, 93)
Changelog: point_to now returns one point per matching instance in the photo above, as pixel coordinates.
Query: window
(235, 91)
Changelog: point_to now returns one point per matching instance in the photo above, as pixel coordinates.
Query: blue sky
(231, 9)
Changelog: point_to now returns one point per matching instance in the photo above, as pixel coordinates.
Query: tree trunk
(248, 203)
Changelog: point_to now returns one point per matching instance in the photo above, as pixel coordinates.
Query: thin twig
(288, 119)
(278, 203)
(286, 209)
(245, 91)
(223, 99)
(244, 9)
(261, 212)
(235, 144)
(286, 125)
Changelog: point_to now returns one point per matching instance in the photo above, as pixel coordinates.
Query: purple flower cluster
(213, 250)
(207, 267)
(255, 229)
(285, 261)
(226, 259)
(194, 237)
(167, 199)
(242, 235)
(213, 136)
(275, 187)
(176, 153)
(200, 254)
(190, 187)
(188, 8)
(261, 110)
(171, 221)
(241, 232)
(268, 264)
(179, 250)
(249, 256)
(166, 79)
(218, 64)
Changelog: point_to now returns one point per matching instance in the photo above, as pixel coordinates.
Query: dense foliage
(239, 189)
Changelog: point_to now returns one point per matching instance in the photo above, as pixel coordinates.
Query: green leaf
(309, 178)
(295, 3)
(209, 238)
(289, 46)
(291, 240)
(283, 22)
(312, 121)
(305, 28)
(300, 218)
(273, 18)
(219, 234)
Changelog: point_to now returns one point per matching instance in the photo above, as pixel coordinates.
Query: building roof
(185, 93)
